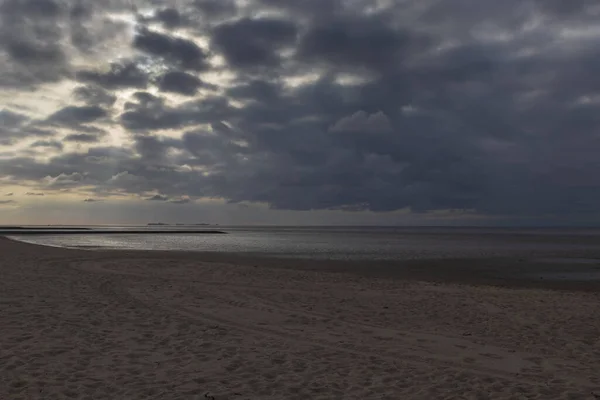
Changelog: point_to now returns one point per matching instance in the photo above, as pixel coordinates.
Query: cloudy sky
(300, 111)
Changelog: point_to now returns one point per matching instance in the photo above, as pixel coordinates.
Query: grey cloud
(158, 197)
(24, 52)
(150, 113)
(170, 17)
(367, 42)
(64, 181)
(258, 90)
(430, 105)
(94, 95)
(90, 200)
(9, 119)
(40, 37)
(28, 131)
(120, 75)
(31, 40)
(312, 9)
(37, 8)
(145, 99)
(179, 82)
(183, 200)
(363, 122)
(90, 26)
(15, 127)
(181, 52)
(216, 8)
(98, 164)
(154, 149)
(81, 10)
(465, 63)
(210, 150)
(42, 8)
(34, 194)
(253, 42)
(567, 8)
(73, 115)
(12, 136)
(83, 138)
(47, 143)
(7, 202)
(9, 194)
(107, 152)
(90, 129)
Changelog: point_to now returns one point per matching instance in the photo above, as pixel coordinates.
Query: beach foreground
(140, 325)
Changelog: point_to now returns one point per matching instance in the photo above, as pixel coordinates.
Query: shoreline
(139, 325)
(502, 272)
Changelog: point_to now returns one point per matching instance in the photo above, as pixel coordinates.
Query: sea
(580, 245)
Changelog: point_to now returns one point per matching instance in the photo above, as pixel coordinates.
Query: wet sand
(166, 325)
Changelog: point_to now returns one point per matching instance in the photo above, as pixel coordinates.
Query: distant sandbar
(75, 231)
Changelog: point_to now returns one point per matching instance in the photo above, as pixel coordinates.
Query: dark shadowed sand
(144, 325)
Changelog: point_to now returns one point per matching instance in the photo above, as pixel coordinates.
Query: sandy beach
(140, 325)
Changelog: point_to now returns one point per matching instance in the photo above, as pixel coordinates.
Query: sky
(416, 112)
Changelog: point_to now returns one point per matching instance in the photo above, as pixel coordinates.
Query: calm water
(374, 243)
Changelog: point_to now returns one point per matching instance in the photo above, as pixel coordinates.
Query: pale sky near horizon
(300, 112)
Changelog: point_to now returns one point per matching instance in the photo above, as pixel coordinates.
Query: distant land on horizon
(178, 224)
(49, 227)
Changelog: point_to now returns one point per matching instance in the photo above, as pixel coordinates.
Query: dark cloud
(314, 9)
(90, 129)
(39, 38)
(9, 194)
(33, 131)
(154, 149)
(74, 115)
(34, 194)
(15, 127)
(216, 8)
(366, 42)
(566, 8)
(253, 42)
(47, 143)
(119, 76)
(10, 137)
(94, 95)
(81, 9)
(31, 40)
(158, 197)
(33, 8)
(363, 123)
(26, 53)
(9, 119)
(151, 113)
(144, 99)
(7, 202)
(169, 17)
(323, 104)
(90, 27)
(90, 200)
(182, 53)
(179, 82)
(82, 138)
(258, 90)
